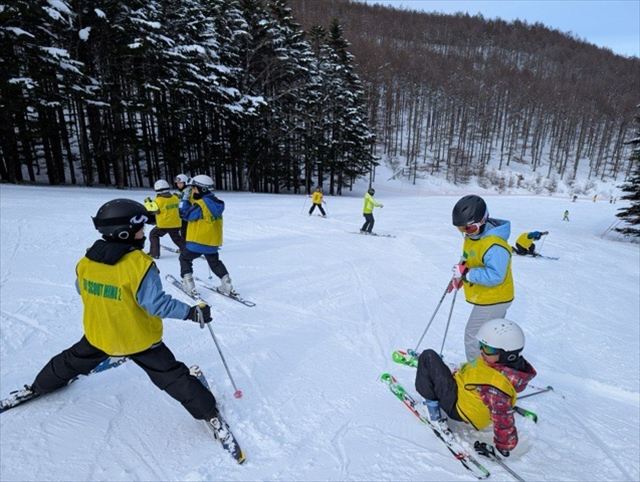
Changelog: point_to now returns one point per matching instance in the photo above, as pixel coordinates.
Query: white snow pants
(479, 315)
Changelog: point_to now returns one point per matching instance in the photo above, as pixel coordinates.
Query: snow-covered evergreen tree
(631, 213)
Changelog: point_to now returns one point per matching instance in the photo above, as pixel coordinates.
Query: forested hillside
(123, 92)
(273, 95)
(465, 95)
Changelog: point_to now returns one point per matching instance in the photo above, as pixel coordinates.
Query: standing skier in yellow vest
(124, 304)
(483, 391)
(367, 211)
(167, 218)
(317, 202)
(485, 269)
(203, 212)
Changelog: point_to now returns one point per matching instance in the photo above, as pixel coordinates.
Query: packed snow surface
(331, 307)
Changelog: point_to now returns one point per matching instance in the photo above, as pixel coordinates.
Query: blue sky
(614, 24)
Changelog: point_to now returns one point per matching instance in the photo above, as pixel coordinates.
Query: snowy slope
(331, 308)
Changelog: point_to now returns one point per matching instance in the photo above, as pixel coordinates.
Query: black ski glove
(200, 313)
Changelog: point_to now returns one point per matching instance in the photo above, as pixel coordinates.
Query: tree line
(460, 95)
(125, 92)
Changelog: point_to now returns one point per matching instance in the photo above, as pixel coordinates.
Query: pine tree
(631, 213)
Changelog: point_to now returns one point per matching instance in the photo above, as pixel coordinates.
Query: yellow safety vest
(150, 205)
(316, 197)
(369, 204)
(207, 230)
(471, 376)
(524, 241)
(113, 320)
(168, 216)
(474, 251)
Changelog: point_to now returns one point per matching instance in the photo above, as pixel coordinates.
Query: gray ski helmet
(371, 191)
(468, 210)
(120, 219)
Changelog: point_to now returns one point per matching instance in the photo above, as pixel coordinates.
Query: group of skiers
(317, 200)
(124, 304)
(484, 390)
(192, 217)
(123, 298)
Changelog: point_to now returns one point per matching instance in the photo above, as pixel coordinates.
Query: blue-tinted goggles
(489, 350)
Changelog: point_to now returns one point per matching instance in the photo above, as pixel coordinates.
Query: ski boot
(189, 286)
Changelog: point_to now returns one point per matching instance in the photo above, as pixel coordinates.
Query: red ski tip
(238, 394)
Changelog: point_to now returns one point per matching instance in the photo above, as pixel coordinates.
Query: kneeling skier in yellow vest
(203, 213)
(525, 243)
(483, 391)
(167, 218)
(124, 304)
(485, 268)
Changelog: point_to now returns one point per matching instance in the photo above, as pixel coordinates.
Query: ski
(555, 258)
(379, 235)
(489, 451)
(18, 397)
(234, 296)
(170, 249)
(443, 433)
(410, 358)
(221, 430)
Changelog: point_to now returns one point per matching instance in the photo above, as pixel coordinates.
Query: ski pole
(303, 205)
(446, 290)
(237, 393)
(542, 243)
(489, 451)
(548, 388)
(210, 273)
(446, 330)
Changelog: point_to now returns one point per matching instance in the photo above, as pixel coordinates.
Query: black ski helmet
(371, 191)
(468, 210)
(120, 219)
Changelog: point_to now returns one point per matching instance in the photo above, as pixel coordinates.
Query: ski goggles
(488, 350)
(470, 229)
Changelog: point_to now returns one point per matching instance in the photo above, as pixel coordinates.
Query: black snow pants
(319, 206)
(186, 263)
(154, 239)
(523, 251)
(434, 381)
(368, 223)
(158, 362)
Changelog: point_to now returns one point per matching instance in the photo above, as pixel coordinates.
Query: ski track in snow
(331, 307)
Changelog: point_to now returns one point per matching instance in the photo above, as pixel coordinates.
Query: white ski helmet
(203, 182)
(503, 335)
(161, 185)
(181, 178)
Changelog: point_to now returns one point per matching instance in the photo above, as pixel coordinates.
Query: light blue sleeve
(496, 261)
(155, 301)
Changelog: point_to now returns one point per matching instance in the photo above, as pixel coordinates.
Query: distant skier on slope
(123, 306)
(565, 216)
(203, 212)
(485, 268)
(483, 391)
(167, 218)
(317, 202)
(367, 211)
(525, 243)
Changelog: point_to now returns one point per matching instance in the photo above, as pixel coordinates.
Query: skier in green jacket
(367, 211)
